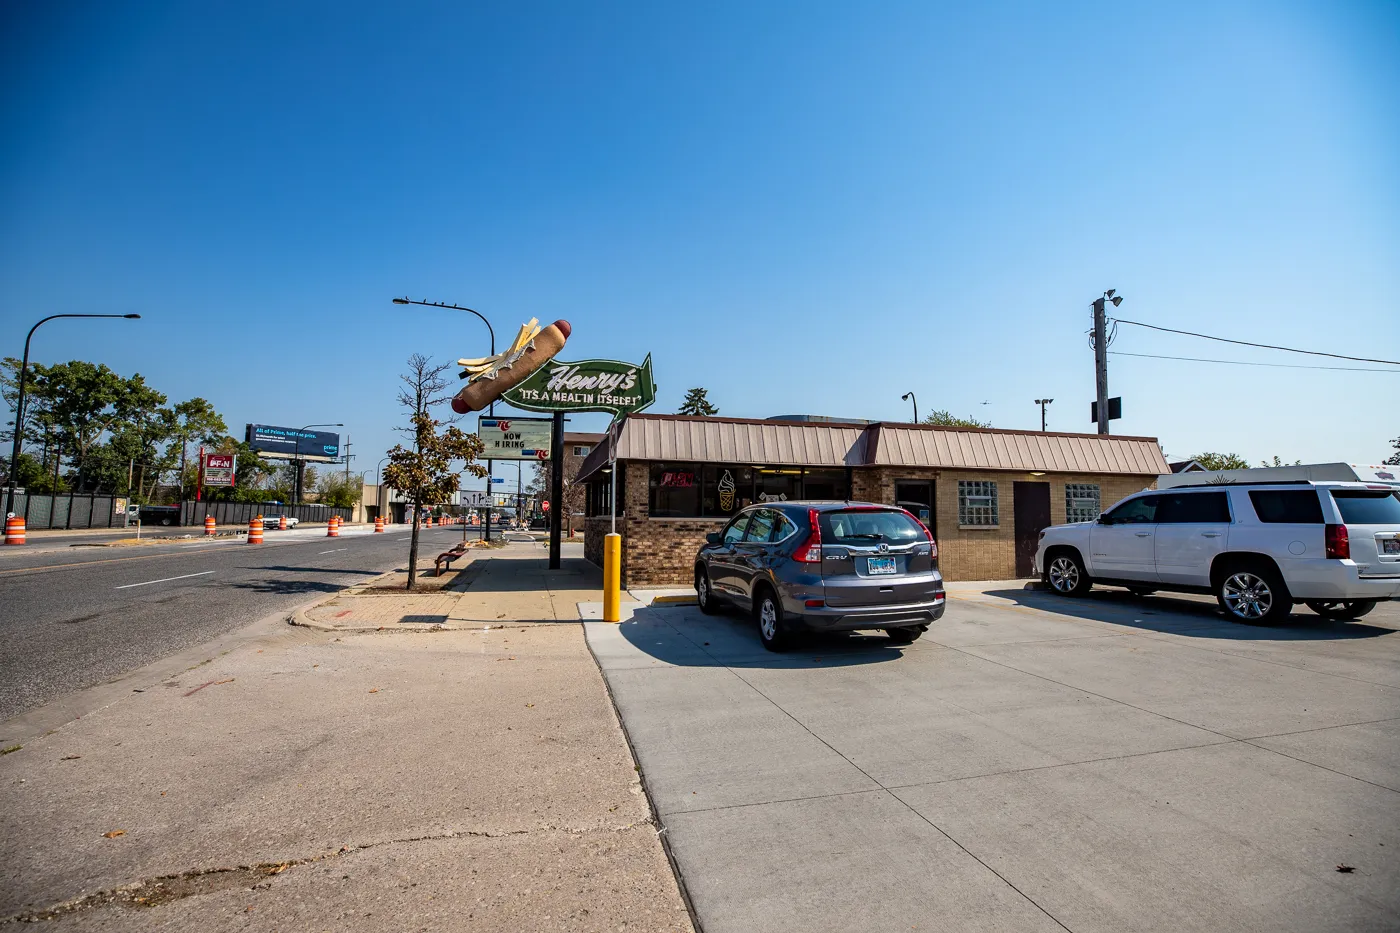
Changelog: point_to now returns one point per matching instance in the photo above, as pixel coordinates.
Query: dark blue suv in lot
(823, 566)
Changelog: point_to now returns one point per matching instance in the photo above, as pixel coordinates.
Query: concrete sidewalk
(366, 780)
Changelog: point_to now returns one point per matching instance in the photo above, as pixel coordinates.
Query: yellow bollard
(612, 578)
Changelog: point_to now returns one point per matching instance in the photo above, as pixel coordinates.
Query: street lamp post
(19, 402)
(296, 479)
(910, 397)
(379, 488)
(486, 528)
(1042, 402)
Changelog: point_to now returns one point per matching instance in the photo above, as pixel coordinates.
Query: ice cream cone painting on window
(489, 377)
(726, 492)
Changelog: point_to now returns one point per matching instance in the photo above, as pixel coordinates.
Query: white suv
(1259, 547)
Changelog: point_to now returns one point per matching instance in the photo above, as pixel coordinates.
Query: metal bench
(447, 557)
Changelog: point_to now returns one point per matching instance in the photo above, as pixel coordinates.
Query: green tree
(1214, 461)
(948, 418)
(1279, 463)
(1394, 459)
(339, 491)
(194, 421)
(423, 472)
(697, 402)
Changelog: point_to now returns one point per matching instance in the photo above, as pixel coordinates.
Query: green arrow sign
(588, 385)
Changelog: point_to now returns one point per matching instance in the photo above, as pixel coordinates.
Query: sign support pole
(556, 489)
(612, 545)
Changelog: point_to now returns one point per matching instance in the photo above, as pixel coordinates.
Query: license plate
(1388, 546)
(880, 564)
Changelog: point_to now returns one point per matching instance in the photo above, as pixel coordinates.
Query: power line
(1195, 359)
(1266, 346)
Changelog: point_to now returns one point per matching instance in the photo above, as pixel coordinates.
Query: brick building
(577, 446)
(985, 493)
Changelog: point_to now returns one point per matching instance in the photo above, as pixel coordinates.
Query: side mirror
(713, 537)
(1103, 519)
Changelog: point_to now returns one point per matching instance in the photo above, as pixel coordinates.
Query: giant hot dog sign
(528, 376)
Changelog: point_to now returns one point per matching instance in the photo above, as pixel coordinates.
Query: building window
(778, 484)
(599, 495)
(675, 490)
(1081, 502)
(977, 504)
(825, 484)
(727, 489)
(581, 451)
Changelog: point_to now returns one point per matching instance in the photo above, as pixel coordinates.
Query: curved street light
(909, 396)
(19, 402)
(491, 410)
(296, 480)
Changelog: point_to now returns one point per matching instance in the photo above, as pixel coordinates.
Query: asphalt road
(72, 617)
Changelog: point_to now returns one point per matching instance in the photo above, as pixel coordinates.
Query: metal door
(1031, 511)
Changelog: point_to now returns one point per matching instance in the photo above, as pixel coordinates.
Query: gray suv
(823, 566)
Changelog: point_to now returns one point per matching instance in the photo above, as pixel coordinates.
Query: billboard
(515, 438)
(293, 443)
(219, 469)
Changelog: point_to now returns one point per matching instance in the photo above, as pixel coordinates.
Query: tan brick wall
(990, 553)
(661, 552)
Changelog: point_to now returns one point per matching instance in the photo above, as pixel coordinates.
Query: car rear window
(1363, 507)
(1287, 506)
(864, 526)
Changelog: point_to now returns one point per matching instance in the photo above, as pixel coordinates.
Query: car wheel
(1343, 608)
(1253, 593)
(165, 521)
(772, 630)
(705, 594)
(1066, 575)
(904, 636)
(1140, 591)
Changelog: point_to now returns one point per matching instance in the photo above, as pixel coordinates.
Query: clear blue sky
(804, 207)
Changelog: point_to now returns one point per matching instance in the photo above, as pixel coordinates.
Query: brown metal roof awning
(677, 438)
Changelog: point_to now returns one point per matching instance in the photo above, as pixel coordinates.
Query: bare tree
(423, 472)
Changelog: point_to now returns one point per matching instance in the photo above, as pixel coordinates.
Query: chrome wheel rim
(768, 620)
(1064, 574)
(702, 589)
(1247, 596)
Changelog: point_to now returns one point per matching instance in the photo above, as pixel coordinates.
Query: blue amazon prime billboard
(293, 443)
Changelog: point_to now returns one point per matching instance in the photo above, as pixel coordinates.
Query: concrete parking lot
(1033, 763)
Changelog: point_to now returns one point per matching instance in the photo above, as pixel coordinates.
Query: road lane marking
(335, 549)
(183, 576)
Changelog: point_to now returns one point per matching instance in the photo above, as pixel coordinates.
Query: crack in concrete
(166, 889)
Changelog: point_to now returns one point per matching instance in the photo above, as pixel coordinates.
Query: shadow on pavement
(1175, 614)
(288, 587)
(366, 573)
(683, 636)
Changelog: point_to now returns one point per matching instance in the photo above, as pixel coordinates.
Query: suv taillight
(1337, 543)
(811, 550)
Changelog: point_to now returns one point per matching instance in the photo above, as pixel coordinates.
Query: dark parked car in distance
(824, 567)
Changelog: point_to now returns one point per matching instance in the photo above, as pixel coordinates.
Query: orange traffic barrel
(255, 530)
(378, 524)
(14, 530)
(281, 523)
(209, 526)
(333, 527)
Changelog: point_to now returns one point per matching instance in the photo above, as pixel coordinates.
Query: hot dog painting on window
(489, 377)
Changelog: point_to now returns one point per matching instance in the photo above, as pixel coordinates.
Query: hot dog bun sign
(489, 377)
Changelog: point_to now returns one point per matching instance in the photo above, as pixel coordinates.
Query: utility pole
(1042, 402)
(1101, 354)
(347, 458)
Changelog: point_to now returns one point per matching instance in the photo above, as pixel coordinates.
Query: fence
(240, 513)
(71, 511)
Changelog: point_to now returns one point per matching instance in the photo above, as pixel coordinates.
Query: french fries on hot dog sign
(528, 376)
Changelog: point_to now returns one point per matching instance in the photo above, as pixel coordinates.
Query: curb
(674, 601)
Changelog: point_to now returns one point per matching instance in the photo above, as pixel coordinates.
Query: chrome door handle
(1210, 534)
(1143, 534)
